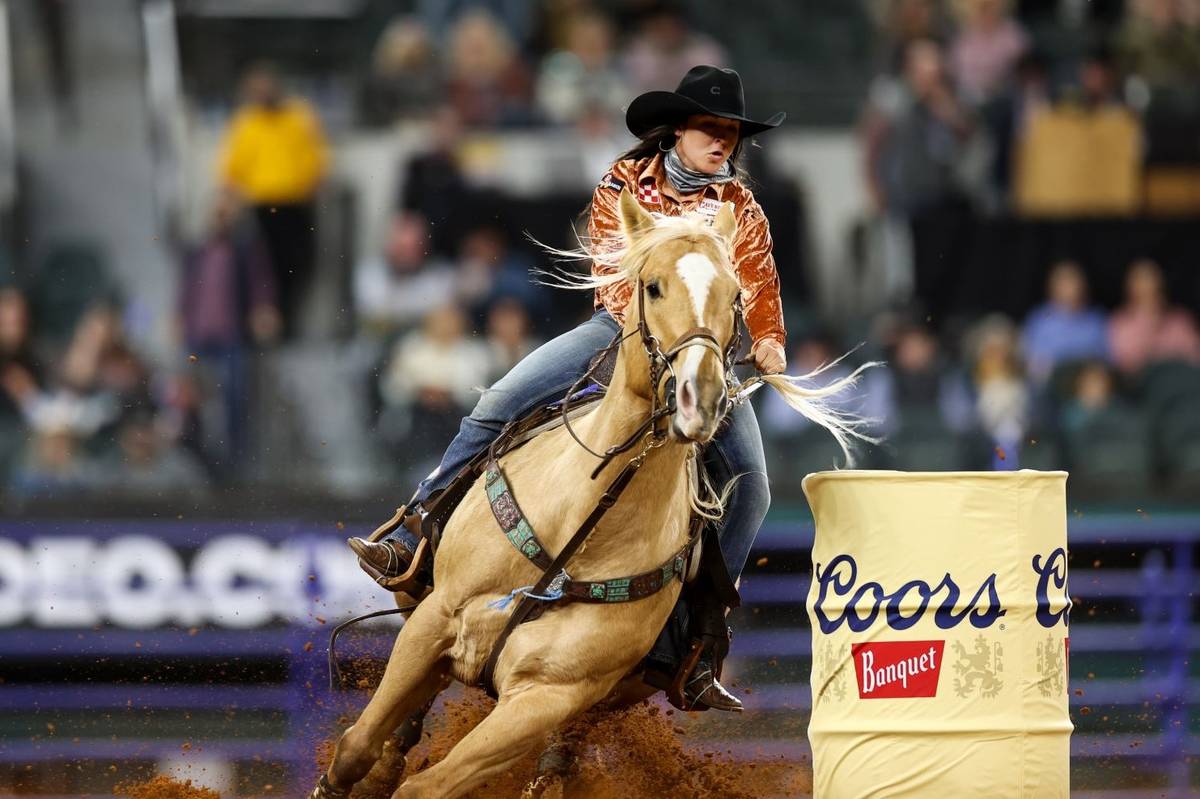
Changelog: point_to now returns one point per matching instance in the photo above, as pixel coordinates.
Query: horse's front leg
(416, 671)
(517, 725)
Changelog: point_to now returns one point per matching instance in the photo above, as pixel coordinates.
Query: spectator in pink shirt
(986, 51)
(1147, 328)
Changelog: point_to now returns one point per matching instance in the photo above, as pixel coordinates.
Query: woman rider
(685, 161)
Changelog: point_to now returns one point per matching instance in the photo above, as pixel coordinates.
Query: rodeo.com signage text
(143, 575)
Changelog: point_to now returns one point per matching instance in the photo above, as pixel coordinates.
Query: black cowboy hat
(703, 90)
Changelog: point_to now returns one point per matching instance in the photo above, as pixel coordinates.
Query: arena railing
(1134, 634)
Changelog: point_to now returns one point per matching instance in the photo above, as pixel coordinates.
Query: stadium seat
(791, 457)
(923, 442)
(13, 435)
(1111, 453)
(1041, 450)
(1177, 439)
(72, 277)
(1167, 384)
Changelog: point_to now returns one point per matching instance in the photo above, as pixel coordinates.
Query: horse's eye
(653, 291)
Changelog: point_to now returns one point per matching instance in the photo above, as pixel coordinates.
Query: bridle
(661, 363)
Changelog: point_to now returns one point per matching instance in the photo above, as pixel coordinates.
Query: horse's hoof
(326, 791)
(544, 786)
(557, 761)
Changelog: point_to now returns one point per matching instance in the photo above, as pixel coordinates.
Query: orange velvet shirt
(753, 262)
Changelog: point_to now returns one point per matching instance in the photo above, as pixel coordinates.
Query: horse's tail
(815, 402)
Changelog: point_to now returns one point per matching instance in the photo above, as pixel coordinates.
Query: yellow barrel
(939, 613)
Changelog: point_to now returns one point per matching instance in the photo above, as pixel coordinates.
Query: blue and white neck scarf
(689, 181)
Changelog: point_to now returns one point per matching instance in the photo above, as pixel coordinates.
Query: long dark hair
(662, 137)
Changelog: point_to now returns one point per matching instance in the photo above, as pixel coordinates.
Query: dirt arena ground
(643, 752)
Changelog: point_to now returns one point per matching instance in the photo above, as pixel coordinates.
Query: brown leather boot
(396, 558)
(703, 690)
(692, 685)
(381, 559)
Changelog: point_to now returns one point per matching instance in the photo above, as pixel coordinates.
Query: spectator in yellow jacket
(275, 156)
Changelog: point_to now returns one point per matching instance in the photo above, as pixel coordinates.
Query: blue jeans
(547, 373)
(542, 376)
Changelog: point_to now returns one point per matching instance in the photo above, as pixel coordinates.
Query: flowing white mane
(621, 261)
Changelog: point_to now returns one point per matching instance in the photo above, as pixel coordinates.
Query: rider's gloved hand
(769, 356)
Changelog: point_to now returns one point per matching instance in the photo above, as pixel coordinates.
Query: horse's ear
(725, 222)
(634, 219)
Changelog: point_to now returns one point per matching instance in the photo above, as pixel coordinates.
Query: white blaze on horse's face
(697, 272)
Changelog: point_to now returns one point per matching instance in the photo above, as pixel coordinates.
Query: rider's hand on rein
(769, 356)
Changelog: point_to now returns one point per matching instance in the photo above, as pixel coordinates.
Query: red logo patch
(648, 192)
(897, 669)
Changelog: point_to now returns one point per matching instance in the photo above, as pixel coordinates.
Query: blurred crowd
(1110, 395)
(972, 113)
(445, 302)
(89, 414)
(509, 64)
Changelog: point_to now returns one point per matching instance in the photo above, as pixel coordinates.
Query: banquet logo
(840, 577)
(897, 669)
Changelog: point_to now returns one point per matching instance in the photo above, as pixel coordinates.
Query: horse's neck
(649, 521)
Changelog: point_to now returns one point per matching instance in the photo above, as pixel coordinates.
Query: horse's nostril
(687, 398)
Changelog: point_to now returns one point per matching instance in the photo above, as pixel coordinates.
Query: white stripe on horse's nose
(697, 273)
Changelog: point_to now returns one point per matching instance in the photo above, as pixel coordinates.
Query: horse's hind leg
(519, 724)
(416, 671)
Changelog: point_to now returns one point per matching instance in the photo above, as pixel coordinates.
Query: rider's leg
(543, 376)
(540, 378)
(736, 452)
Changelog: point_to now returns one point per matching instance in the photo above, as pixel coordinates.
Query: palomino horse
(557, 666)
